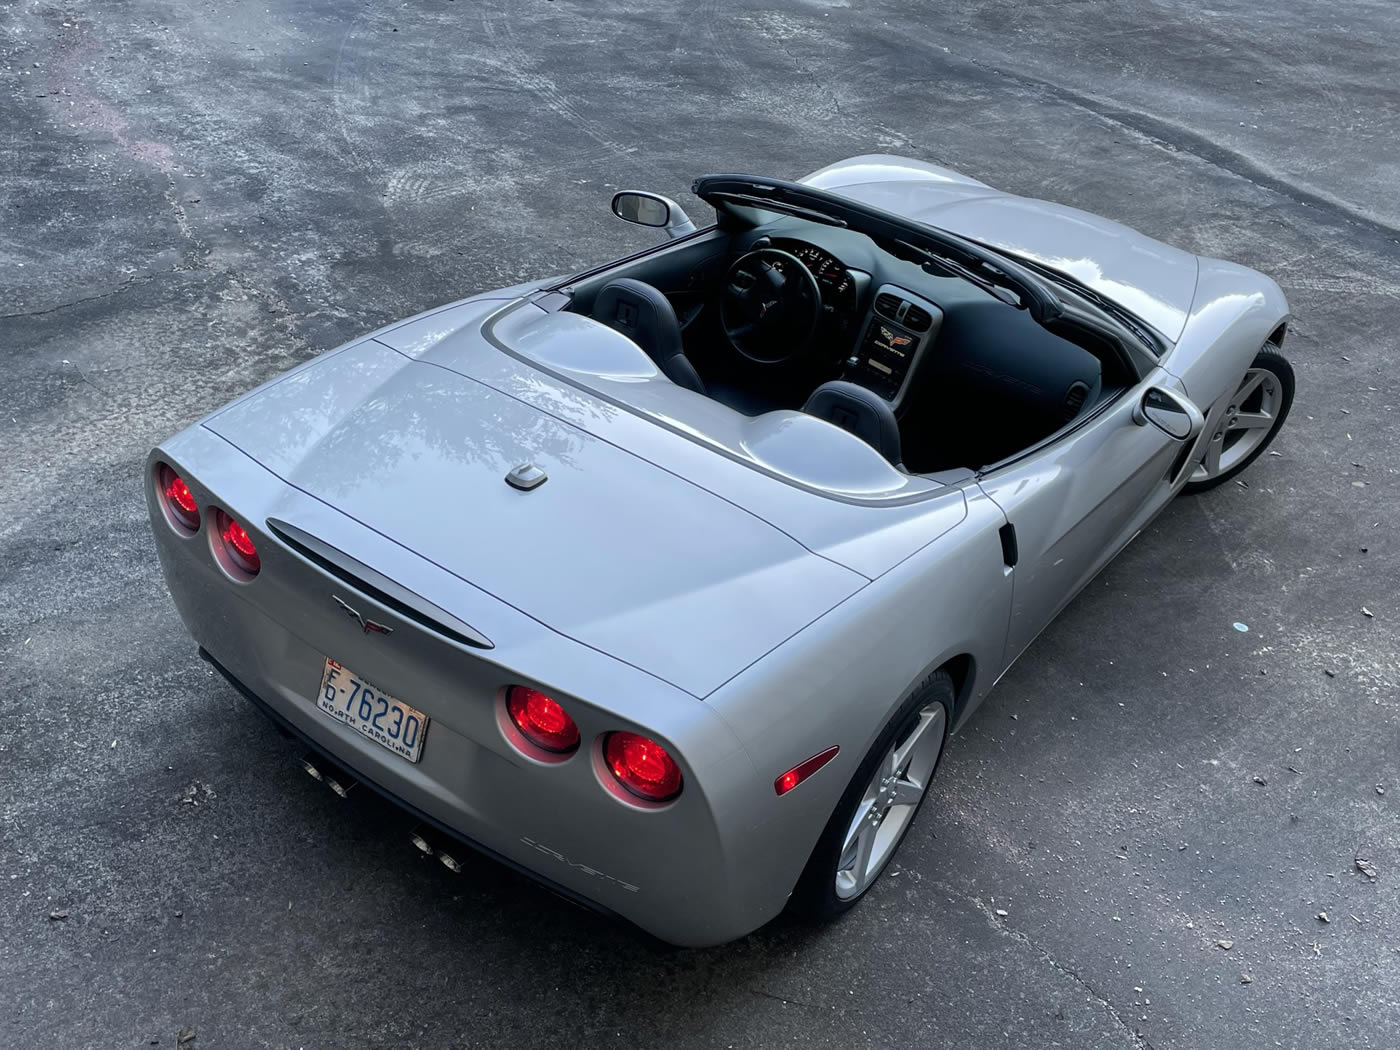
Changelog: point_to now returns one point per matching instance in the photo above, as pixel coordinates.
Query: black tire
(1272, 360)
(815, 895)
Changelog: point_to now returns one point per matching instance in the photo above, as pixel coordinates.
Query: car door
(1073, 503)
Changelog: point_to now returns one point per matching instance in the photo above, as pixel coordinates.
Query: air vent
(917, 319)
(1074, 399)
(887, 304)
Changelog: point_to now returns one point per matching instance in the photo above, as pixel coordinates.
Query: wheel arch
(1237, 310)
(962, 668)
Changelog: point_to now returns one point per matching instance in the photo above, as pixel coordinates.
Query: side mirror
(651, 209)
(1170, 413)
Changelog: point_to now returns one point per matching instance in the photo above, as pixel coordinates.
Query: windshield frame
(887, 229)
(1055, 300)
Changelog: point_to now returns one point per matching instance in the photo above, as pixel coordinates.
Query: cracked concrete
(194, 197)
(128, 283)
(999, 920)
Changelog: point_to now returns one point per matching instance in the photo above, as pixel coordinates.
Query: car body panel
(857, 665)
(870, 532)
(748, 591)
(1236, 311)
(1077, 502)
(274, 633)
(610, 550)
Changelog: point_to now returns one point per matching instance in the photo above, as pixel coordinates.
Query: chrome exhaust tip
(342, 786)
(433, 843)
(335, 778)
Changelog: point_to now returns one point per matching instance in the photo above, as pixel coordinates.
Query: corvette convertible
(666, 582)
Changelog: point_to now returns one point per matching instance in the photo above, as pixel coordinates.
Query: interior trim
(1083, 419)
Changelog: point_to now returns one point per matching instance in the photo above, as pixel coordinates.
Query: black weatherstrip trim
(296, 734)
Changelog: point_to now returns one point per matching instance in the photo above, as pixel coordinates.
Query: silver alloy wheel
(889, 802)
(1246, 424)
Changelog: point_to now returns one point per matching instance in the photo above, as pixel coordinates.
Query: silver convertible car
(666, 582)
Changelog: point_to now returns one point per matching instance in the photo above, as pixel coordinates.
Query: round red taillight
(179, 500)
(642, 766)
(541, 720)
(239, 545)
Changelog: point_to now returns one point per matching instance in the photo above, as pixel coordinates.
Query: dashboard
(885, 340)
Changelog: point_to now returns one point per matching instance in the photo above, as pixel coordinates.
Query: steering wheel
(769, 306)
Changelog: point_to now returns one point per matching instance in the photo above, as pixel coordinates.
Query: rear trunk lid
(611, 551)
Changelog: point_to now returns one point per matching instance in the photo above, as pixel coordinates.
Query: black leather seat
(864, 413)
(644, 315)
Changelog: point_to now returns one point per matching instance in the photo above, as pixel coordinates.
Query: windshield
(937, 250)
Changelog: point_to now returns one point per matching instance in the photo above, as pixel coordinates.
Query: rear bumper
(672, 872)
(288, 729)
(698, 871)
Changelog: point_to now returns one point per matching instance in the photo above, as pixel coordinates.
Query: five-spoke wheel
(879, 803)
(889, 802)
(1256, 410)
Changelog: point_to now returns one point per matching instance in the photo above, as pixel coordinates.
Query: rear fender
(841, 679)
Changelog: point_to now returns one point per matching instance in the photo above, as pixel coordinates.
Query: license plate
(364, 708)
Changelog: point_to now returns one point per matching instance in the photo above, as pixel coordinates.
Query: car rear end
(309, 631)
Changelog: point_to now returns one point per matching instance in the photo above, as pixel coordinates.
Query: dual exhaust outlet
(432, 843)
(335, 778)
(426, 839)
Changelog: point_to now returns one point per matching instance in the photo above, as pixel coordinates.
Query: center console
(901, 329)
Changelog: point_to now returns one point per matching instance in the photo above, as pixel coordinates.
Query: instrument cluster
(837, 286)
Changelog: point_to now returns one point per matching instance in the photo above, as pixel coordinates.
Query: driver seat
(863, 412)
(645, 316)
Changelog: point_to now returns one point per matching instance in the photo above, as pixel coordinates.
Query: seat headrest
(641, 313)
(864, 413)
(644, 315)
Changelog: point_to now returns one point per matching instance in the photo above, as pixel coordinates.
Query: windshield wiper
(769, 204)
